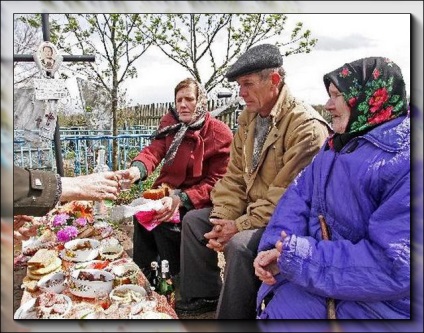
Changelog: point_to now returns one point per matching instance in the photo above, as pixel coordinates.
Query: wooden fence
(149, 115)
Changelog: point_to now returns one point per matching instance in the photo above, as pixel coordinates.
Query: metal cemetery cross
(49, 67)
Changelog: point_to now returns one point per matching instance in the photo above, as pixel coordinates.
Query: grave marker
(50, 62)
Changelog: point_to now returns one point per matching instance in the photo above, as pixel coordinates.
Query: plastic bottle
(100, 208)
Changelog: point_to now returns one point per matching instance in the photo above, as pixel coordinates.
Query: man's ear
(275, 78)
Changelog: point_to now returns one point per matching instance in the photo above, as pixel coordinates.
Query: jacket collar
(284, 104)
(393, 135)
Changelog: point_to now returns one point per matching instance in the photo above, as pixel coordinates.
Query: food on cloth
(45, 306)
(46, 241)
(94, 264)
(87, 231)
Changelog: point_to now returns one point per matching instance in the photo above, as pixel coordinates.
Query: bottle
(154, 275)
(100, 208)
(166, 287)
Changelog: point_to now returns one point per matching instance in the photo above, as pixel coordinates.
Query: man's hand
(95, 186)
(24, 227)
(220, 234)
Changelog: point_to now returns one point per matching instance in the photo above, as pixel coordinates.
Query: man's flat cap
(255, 59)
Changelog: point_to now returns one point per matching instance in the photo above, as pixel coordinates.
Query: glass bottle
(154, 275)
(100, 208)
(166, 287)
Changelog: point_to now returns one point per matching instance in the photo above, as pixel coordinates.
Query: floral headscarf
(375, 91)
(181, 128)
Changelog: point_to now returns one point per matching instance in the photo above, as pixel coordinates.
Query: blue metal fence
(79, 147)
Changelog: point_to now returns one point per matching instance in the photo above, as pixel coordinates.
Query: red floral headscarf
(373, 88)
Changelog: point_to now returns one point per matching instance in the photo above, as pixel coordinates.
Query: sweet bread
(157, 193)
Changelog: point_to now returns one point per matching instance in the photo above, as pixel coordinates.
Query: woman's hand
(132, 174)
(170, 207)
(265, 265)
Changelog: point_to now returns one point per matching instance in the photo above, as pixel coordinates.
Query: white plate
(83, 254)
(27, 310)
(90, 289)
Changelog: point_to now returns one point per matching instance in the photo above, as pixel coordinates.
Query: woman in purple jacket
(338, 243)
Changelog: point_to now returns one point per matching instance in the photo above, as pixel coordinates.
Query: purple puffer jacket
(364, 194)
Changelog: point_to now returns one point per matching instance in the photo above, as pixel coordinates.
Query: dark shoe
(197, 306)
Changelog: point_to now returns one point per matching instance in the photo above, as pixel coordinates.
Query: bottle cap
(165, 265)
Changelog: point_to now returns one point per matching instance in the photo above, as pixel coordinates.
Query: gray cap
(254, 60)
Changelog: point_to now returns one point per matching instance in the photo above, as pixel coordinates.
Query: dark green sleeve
(142, 168)
(185, 200)
(35, 192)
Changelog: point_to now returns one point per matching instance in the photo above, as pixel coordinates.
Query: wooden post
(331, 303)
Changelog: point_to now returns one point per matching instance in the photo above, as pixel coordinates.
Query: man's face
(257, 92)
(48, 52)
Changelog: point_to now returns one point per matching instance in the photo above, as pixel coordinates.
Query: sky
(341, 38)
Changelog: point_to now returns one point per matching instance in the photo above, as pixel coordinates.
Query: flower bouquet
(73, 220)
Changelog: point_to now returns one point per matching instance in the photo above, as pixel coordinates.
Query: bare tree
(190, 39)
(26, 40)
(117, 42)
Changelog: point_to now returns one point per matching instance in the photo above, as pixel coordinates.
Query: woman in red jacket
(195, 149)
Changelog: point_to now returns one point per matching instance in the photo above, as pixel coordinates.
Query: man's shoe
(197, 305)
